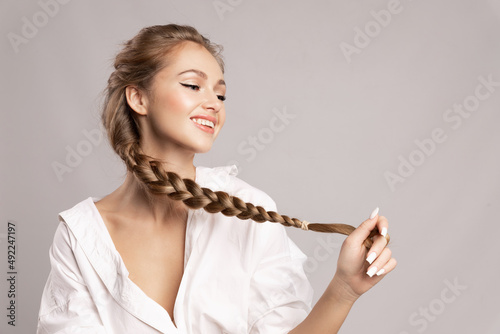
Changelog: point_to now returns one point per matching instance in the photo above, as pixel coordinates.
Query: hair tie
(304, 225)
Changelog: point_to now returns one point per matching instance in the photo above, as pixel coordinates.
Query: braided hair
(141, 58)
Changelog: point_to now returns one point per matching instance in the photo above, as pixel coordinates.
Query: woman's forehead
(192, 55)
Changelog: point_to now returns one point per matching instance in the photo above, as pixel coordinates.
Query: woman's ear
(136, 100)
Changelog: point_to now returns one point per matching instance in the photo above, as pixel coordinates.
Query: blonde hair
(141, 58)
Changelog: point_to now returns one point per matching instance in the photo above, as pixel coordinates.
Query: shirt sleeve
(280, 292)
(66, 305)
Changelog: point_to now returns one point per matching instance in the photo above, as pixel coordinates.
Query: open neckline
(178, 297)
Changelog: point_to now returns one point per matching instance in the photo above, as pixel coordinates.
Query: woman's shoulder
(84, 208)
(82, 219)
(266, 234)
(69, 227)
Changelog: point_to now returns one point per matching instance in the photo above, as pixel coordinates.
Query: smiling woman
(165, 253)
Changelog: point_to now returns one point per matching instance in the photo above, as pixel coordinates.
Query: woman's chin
(205, 146)
(204, 149)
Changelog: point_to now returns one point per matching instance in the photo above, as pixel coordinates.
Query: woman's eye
(193, 87)
(196, 87)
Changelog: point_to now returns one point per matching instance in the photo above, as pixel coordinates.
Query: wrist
(340, 290)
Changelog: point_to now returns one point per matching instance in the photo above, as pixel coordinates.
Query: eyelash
(196, 87)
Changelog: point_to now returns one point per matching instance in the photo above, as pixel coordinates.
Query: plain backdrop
(333, 108)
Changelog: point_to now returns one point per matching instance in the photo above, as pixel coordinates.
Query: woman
(147, 259)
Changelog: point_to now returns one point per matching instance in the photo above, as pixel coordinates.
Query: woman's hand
(358, 269)
(352, 278)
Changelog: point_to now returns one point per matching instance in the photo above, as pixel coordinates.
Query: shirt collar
(89, 229)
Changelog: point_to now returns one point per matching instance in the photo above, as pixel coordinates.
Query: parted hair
(140, 59)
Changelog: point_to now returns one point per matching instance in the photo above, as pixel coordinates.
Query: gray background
(354, 120)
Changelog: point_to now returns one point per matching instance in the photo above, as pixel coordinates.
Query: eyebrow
(203, 75)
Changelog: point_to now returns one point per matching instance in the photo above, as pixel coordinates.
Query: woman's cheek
(222, 118)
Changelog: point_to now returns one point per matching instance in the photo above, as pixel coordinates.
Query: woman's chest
(155, 262)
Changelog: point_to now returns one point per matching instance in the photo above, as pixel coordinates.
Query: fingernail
(384, 231)
(374, 213)
(371, 257)
(380, 272)
(372, 271)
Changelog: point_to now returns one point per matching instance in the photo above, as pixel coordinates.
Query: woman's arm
(354, 277)
(66, 305)
(329, 313)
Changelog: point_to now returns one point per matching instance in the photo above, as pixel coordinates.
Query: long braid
(194, 196)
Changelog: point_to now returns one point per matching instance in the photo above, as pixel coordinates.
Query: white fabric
(239, 276)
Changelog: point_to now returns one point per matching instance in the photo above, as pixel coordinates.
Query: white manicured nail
(380, 272)
(372, 271)
(371, 257)
(374, 213)
(384, 231)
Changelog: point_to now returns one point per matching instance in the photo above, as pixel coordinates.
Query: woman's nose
(212, 102)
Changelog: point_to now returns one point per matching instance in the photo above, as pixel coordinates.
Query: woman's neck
(134, 201)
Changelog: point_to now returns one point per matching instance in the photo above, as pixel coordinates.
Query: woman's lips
(205, 128)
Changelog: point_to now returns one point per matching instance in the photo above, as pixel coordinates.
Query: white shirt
(239, 276)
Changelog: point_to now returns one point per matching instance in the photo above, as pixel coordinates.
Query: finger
(382, 225)
(387, 268)
(378, 266)
(379, 243)
(359, 235)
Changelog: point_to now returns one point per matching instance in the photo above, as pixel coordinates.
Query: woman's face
(185, 109)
